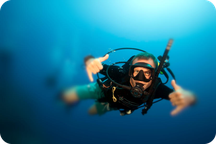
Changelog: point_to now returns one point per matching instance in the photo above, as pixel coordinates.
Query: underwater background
(42, 47)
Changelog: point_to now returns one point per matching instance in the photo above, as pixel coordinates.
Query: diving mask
(137, 72)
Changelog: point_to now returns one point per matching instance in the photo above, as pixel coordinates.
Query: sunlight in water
(138, 19)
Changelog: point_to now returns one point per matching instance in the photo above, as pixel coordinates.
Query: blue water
(42, 47)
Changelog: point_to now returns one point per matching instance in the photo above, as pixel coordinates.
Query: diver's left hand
(180, 98)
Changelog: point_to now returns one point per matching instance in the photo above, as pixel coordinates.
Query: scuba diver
(129, 87)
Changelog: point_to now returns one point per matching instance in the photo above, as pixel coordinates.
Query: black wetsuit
(124, 98)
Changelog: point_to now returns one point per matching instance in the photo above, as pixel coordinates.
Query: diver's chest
(125, 95)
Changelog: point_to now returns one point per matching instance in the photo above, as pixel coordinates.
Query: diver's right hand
(94, 65)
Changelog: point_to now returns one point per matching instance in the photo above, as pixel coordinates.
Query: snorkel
(153, 86)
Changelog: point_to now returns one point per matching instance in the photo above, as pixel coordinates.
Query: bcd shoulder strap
(151, 98)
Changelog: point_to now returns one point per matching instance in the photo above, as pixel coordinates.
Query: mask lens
(146, 73)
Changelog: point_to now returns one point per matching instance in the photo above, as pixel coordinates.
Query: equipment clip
(113, 97)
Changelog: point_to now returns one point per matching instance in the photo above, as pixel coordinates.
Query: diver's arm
(112, 69)
(163, 91)
(117, 71)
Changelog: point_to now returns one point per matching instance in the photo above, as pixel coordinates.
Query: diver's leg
(70, 96)
(90, 91)
(100, 108)
(92, 110)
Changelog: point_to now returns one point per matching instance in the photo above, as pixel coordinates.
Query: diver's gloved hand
(180, 98)
(94, 65)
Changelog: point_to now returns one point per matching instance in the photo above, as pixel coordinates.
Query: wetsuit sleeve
(163, 92)
(113, 69)
(115, 72)
(118, 71)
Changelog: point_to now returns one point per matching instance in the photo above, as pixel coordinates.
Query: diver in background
(139, 71)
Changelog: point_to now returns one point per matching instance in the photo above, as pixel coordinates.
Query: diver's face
(147, 72)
